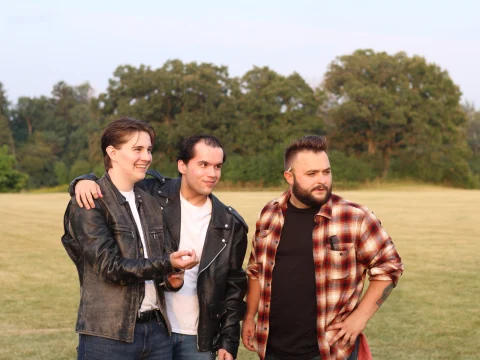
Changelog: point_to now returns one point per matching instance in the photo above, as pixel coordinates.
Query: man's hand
(85, 192)
(176, 279)
(186, 263)
(248, 333)
(348, 329)
(224, 355)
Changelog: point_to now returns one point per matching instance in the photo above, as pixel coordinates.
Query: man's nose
(211, 171)
(146, 156)
(322, 179)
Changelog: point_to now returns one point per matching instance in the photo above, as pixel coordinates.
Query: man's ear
(289, 177)
(182, 167)
(111, 152)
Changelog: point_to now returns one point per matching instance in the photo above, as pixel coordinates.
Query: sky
(43, 42)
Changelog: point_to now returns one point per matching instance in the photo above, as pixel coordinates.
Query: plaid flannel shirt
(362, 246)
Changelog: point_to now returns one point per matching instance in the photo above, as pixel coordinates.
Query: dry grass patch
(432, 314)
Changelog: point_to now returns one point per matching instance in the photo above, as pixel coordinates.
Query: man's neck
(191, 196)
(297, 203)
(120, 183)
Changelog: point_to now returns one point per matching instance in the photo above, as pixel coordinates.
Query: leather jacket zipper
(210, 263)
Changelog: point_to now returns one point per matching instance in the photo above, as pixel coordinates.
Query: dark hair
(312, 143)
(117, 133)
(186, 148)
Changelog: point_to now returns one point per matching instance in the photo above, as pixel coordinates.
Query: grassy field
(434, 313)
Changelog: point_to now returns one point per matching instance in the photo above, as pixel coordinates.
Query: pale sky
(45, 41)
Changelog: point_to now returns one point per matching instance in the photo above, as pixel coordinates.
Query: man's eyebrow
(208, 162)
(318, 170)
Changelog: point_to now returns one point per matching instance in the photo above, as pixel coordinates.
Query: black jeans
(353, 355)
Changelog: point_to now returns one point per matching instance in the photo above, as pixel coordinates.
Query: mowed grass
(434, 313)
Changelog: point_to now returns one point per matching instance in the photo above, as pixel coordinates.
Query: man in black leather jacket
(220, 280)
(121, 299)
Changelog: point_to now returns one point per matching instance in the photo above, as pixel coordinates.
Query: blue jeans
(151, 341)
(185, 348)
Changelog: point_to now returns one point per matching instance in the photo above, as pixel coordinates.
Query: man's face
(310, 179)
(202, 172)
(132, 160)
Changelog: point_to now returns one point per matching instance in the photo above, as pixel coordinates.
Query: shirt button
(159, 192)
(226, 225)
(223, 240)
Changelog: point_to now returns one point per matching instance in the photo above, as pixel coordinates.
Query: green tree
(10, 179)
(274, 109)
(6, 137)
(394, 104)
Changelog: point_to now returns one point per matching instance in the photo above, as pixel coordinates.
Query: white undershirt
(182, 306)
(150, 300)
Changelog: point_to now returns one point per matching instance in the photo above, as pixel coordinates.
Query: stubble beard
(306, 197)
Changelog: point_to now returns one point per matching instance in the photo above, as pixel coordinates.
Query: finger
(90, 200)
(79, 200)
(247, 343)
(193, 254)
(180, 253)
(338, 335)
(346, 338)
(99, 191)
(85, 202)
(338, 325)
(353, 338)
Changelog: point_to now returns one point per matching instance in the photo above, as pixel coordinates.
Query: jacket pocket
(217, 310)
(340, 263)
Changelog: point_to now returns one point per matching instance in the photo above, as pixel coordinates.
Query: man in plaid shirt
(309, 307)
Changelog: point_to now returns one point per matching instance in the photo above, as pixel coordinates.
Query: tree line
(386, 117)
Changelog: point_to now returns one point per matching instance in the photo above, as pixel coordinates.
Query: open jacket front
(105, 245)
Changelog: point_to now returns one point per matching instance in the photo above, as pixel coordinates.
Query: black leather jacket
(222, 283)
(105, 245)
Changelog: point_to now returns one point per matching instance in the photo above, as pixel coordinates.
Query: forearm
(253, 298)
(373, 298)
(71, 188)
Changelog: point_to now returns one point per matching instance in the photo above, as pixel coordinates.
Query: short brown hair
(117, 133)
(314, 143)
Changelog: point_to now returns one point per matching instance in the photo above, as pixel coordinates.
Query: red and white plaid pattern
(363, 247)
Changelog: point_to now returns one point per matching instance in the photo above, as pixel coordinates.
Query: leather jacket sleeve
(149, 185)
(71, 187)
(234, 304)
(101, 251)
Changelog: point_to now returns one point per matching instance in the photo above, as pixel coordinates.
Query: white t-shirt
(182, 306)
(150, 300)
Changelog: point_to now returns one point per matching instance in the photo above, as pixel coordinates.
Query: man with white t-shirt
(123, 262)
(206, 313)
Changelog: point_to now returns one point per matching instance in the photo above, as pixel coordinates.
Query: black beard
(306, 197)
